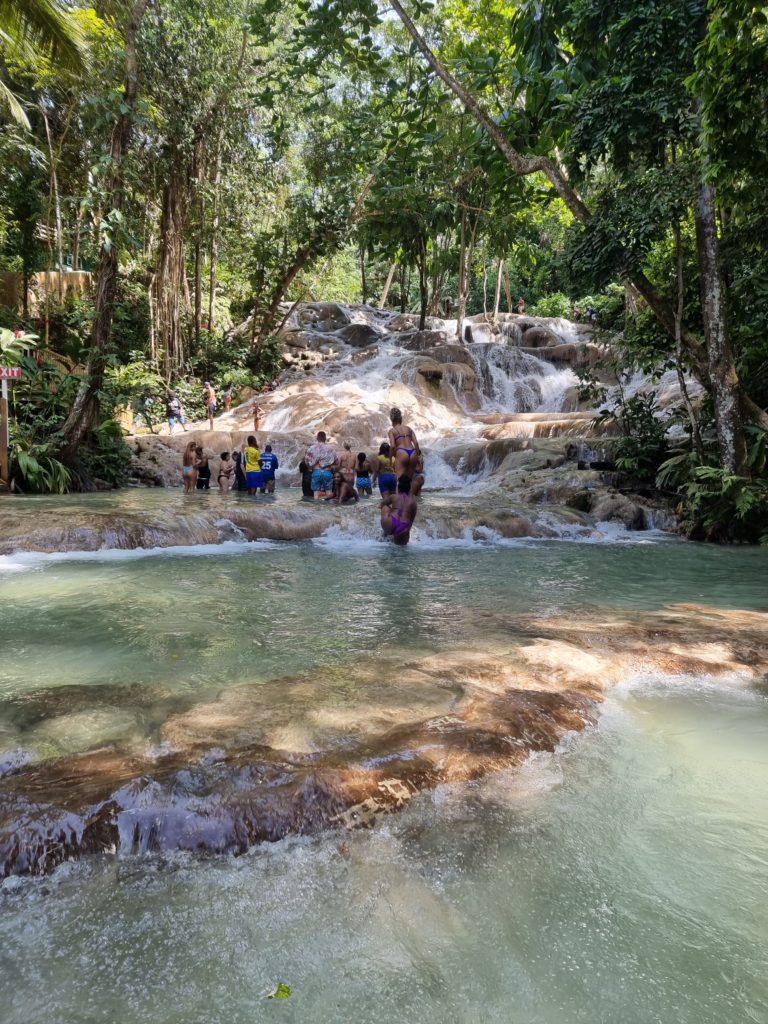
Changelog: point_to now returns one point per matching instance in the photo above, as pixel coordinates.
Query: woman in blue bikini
(403, 443)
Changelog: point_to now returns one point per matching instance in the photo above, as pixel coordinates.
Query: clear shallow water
(624, 879)
(146, 632)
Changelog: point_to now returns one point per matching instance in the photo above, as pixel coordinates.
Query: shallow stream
(623, 877)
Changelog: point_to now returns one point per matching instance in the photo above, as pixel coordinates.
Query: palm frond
(12, 105)
(46, 25)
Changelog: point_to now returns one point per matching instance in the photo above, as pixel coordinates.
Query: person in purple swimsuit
(398, 512)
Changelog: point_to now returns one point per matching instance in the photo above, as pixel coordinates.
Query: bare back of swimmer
(402, 442)
(398, 512)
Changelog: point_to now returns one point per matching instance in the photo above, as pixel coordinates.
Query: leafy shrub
(556, 304)
(107, 457)
(717, 505)
(643, 445)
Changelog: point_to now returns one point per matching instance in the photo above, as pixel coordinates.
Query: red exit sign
(10, 373)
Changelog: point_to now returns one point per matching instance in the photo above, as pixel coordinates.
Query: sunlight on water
(622, 879)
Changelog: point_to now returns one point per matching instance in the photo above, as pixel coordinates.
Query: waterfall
(513, 381)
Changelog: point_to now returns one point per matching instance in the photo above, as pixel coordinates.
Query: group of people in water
(246, 469)
(326, 475)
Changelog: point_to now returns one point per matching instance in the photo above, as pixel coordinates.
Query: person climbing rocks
(227, 397)
(209, 401)
(398, 512)
(226, 472)
(402, 443)
(363, 476)
(189, 467)
(269, 463)
(174, 412)
(252, 464)
(258, 417)
(384, 470)
(203, 481)
(321, 458)
(521, 305)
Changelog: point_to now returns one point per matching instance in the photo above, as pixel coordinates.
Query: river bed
(621, 876)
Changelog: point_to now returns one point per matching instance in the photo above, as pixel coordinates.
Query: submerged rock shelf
(284, 757)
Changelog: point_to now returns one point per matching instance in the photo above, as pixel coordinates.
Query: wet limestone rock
(358, 335)
(540, 337)
(420, 340)
(612, 507)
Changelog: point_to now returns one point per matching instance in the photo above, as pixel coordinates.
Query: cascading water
(514, 381)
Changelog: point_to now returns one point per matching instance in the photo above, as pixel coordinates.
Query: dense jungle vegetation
(208, 160)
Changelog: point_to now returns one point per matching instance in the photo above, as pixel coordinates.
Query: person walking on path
(321, 458)
(174, 412)
(258, 417)
(209, 400)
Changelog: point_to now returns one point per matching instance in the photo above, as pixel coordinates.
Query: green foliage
(107, 456)
(556, 304)
(717, 505)
(34, 468)
(642, 447)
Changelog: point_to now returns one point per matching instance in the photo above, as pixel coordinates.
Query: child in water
(398, 512)
(306, 480)
(363, 476)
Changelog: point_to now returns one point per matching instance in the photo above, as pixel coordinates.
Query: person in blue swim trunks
(269, 463)
(321, 458)
(363, 475)
(402, 443)
(384, 471)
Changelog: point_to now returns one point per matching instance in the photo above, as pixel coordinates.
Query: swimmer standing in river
(398, 512)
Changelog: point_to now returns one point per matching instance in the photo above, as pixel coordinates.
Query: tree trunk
(461, 298)
(723, 377)
(170, 282)
(698, 445)
(387, 286)
(214, 246)
(507, 289)
(403, 289)
(363, 282)
(423, 282)
(198, 290)
(86, 405)
(497, 296)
